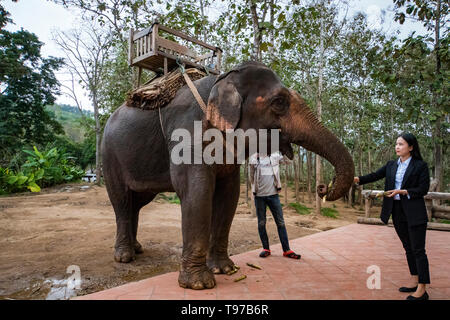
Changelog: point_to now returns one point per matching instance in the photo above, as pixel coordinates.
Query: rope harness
(193, 89)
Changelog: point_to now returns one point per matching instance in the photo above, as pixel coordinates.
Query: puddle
(59, 290)
(49, 289)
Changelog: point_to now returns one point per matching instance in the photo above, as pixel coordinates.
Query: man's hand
(392, 193)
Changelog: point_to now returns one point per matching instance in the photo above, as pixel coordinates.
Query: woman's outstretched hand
(356, 179)
(392, 193)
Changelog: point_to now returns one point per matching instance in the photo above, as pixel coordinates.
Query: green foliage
(71, 120)
(172, 198)
(374, 84)
(329, 212)
(87, 157)
(53, 167)
(41, 169)
(27, 84)
(117, 81)
(423, 10)
(11, 181)
(300, 208)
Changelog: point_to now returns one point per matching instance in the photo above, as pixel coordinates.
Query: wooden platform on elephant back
(334, 265)
(160, 49)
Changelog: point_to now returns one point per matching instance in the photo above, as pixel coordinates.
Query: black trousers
(413, 240)
(274, 204)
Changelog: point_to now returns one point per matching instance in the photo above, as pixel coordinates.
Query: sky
(42, 17)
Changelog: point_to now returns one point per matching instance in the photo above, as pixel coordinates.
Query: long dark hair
(412, 141)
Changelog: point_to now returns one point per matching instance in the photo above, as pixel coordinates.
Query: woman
(407, 181)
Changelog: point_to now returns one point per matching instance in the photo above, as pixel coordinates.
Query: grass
(329, 212)
(444, 221)
(173, 198)
(301, 209)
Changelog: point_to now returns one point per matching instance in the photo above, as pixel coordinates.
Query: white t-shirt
(266, 167)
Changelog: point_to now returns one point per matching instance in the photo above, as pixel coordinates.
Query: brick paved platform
(333, 266)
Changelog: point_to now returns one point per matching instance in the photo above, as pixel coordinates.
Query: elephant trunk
(304, 129)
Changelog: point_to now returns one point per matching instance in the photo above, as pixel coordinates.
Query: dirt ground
(74, 224)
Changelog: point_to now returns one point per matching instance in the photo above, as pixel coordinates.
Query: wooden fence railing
(434, 210)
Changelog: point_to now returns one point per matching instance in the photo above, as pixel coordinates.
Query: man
(265, 180)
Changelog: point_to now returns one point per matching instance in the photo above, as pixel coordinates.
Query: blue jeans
(274, 204)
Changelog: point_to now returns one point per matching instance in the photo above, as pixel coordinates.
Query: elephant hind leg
(127, 206)
(140, 199)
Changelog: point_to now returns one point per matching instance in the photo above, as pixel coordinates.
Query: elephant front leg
(225, 201)
(196, 191)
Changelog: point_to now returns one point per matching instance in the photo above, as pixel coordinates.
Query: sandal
(291, 254)
(264, 253)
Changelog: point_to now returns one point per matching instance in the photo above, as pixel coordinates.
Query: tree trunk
(285, 185)
(256, 52)
(296, 180)
(319, 112)
(309, 169)
(300, 169)
(98, 172)
(437, 132)
(202, 12)
(252, 197)
(272, 38)
(246, 181)
(350, 196)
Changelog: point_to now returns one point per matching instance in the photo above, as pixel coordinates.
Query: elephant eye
(279, 104)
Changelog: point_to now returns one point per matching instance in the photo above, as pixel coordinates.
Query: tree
(27, 85)
(117, 15)
(86, 51)
(434, 16)
(372, 86)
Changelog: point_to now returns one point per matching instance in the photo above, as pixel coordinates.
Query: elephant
(136, 148)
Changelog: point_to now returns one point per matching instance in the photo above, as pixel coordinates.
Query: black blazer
(416, 181)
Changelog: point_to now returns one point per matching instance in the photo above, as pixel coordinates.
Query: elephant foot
(220, 265)
(124, 255)
(138, 248)
(198, 279)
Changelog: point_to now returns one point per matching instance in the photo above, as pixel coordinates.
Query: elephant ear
(224, 105)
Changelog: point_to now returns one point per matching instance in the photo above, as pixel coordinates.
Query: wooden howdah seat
(149, 50)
